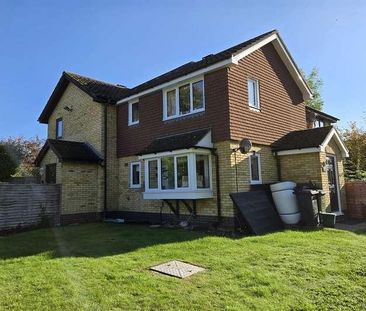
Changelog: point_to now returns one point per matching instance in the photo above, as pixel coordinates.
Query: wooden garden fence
(29, 205)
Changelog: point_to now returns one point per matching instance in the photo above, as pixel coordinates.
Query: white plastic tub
(285, 201)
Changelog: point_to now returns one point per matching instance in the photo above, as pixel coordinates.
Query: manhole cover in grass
(177, 268)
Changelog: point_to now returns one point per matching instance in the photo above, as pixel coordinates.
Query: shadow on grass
(92, 240)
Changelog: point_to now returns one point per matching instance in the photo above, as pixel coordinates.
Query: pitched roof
(175, 142)
(100, 91)
(69, 151)
(309, 138)
(222, 59)
(194, 66)
(324, 115)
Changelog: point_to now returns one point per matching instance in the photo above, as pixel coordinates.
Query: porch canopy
(309, 141)
(69, 151)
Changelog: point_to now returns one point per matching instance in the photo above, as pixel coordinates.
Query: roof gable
(228, 57)
(100, 91)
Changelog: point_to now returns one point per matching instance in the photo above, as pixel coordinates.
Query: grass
(105, 267)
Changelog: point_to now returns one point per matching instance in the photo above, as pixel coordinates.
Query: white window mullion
(175, 173)
(159, 173)
(190, 97)
(192, 172)
(176, 102)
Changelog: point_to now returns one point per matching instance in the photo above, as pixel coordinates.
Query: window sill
(178, 195)
(254, 109)
(134, 124)
(183, 116)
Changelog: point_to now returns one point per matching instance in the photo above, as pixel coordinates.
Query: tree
(7, 165)
(355, 139)
(24, 152)
(315, 84)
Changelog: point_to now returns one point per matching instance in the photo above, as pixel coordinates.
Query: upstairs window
(59, 128)
(133, 113)
(184, 99)
(255, 168)
(135, 175)
(253, 93)
(318, 123)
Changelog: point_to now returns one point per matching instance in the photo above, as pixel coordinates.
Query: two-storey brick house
(170, 145)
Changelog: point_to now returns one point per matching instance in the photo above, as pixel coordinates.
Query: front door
(333, 183)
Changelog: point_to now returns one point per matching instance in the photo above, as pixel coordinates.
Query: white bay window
(178, 175)
(184, 99)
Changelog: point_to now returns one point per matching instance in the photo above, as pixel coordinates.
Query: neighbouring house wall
(281, 103)
(132, 202)
(356, 199)
(132, 139)
(84, 123)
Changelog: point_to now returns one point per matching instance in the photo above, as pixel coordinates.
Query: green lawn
(105, 267)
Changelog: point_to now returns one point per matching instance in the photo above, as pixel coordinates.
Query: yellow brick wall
(50, 158)
(302, 168)
(132, 200)
(112, 160)
(84, 123)
(82, 183)
(82, 186)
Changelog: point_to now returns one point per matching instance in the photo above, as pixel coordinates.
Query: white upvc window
(184, 99)
(135, 175)
(133, 113)
(187, 173)
(253, 94)
(255, 168)
(59, 128)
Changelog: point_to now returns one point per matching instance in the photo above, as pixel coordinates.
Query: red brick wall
(356, 199)
(281, 103)
(132, 139)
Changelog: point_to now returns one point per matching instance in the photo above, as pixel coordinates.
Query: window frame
(176, 89)
(192, 178)
(259, 181)
(57, 134)
(130, 104)
(256, 92)
(131, 184)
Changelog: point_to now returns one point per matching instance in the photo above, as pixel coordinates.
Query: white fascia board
(334, 134)
(234, 59)
(286, 58)
(206, 141)
(173, 153)
(224, 63)
(298, 151)
(253, 48)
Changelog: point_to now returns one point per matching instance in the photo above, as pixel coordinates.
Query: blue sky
(129, 42)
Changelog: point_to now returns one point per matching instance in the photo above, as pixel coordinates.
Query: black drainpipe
(218, 190)
(279, 175)
(105, 160)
